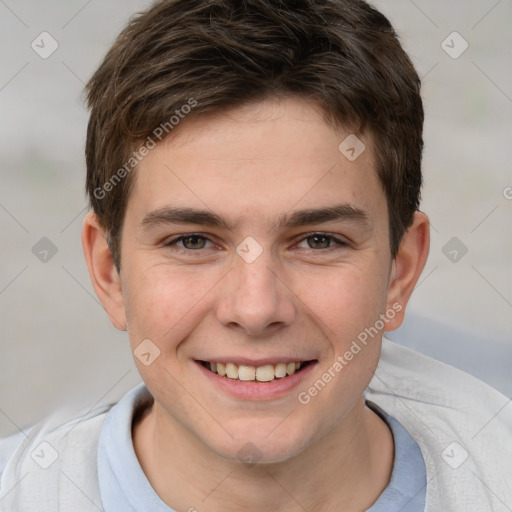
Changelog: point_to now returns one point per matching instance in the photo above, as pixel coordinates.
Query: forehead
(260, 160)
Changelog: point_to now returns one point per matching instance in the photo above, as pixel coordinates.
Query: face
(289, 262)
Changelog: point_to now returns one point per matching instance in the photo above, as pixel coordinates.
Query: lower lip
(251, 390)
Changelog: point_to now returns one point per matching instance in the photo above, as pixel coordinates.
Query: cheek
(165, 304)
(347, 299)
(349, 310)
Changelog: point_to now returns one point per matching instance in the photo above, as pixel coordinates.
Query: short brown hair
(220, 54)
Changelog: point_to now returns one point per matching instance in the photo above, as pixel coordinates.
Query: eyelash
(175, 241)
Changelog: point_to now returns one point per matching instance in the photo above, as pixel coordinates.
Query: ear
(104, 276)
(407, 267)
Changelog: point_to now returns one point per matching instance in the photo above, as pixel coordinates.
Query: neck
(347, 469)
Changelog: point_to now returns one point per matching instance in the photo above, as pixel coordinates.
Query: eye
(190, 241)
(322, 241)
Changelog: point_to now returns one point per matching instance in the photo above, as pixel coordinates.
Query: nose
(255, 298)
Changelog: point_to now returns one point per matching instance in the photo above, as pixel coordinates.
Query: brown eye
(322, 241)
(194, 242)
(319, 241)
(189, 242)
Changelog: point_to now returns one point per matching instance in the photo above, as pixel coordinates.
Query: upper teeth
(263, 373)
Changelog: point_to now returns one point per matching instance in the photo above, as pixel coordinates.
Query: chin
(263, 445)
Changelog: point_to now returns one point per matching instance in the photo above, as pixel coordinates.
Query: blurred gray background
(57, 344)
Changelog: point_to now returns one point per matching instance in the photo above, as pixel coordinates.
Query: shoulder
(462, 425)
(53, 461)
(7, 446)
(411, 375)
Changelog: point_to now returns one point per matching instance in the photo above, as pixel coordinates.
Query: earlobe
(407, 267)
(104, 276)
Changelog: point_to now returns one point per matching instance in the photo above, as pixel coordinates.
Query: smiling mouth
(265, 373)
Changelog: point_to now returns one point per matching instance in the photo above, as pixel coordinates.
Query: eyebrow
(185, 215)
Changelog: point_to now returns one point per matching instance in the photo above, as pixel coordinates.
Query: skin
(301, 298)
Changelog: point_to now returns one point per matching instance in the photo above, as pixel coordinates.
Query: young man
(254, 172)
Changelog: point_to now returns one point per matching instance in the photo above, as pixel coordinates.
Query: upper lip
(244, 361)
